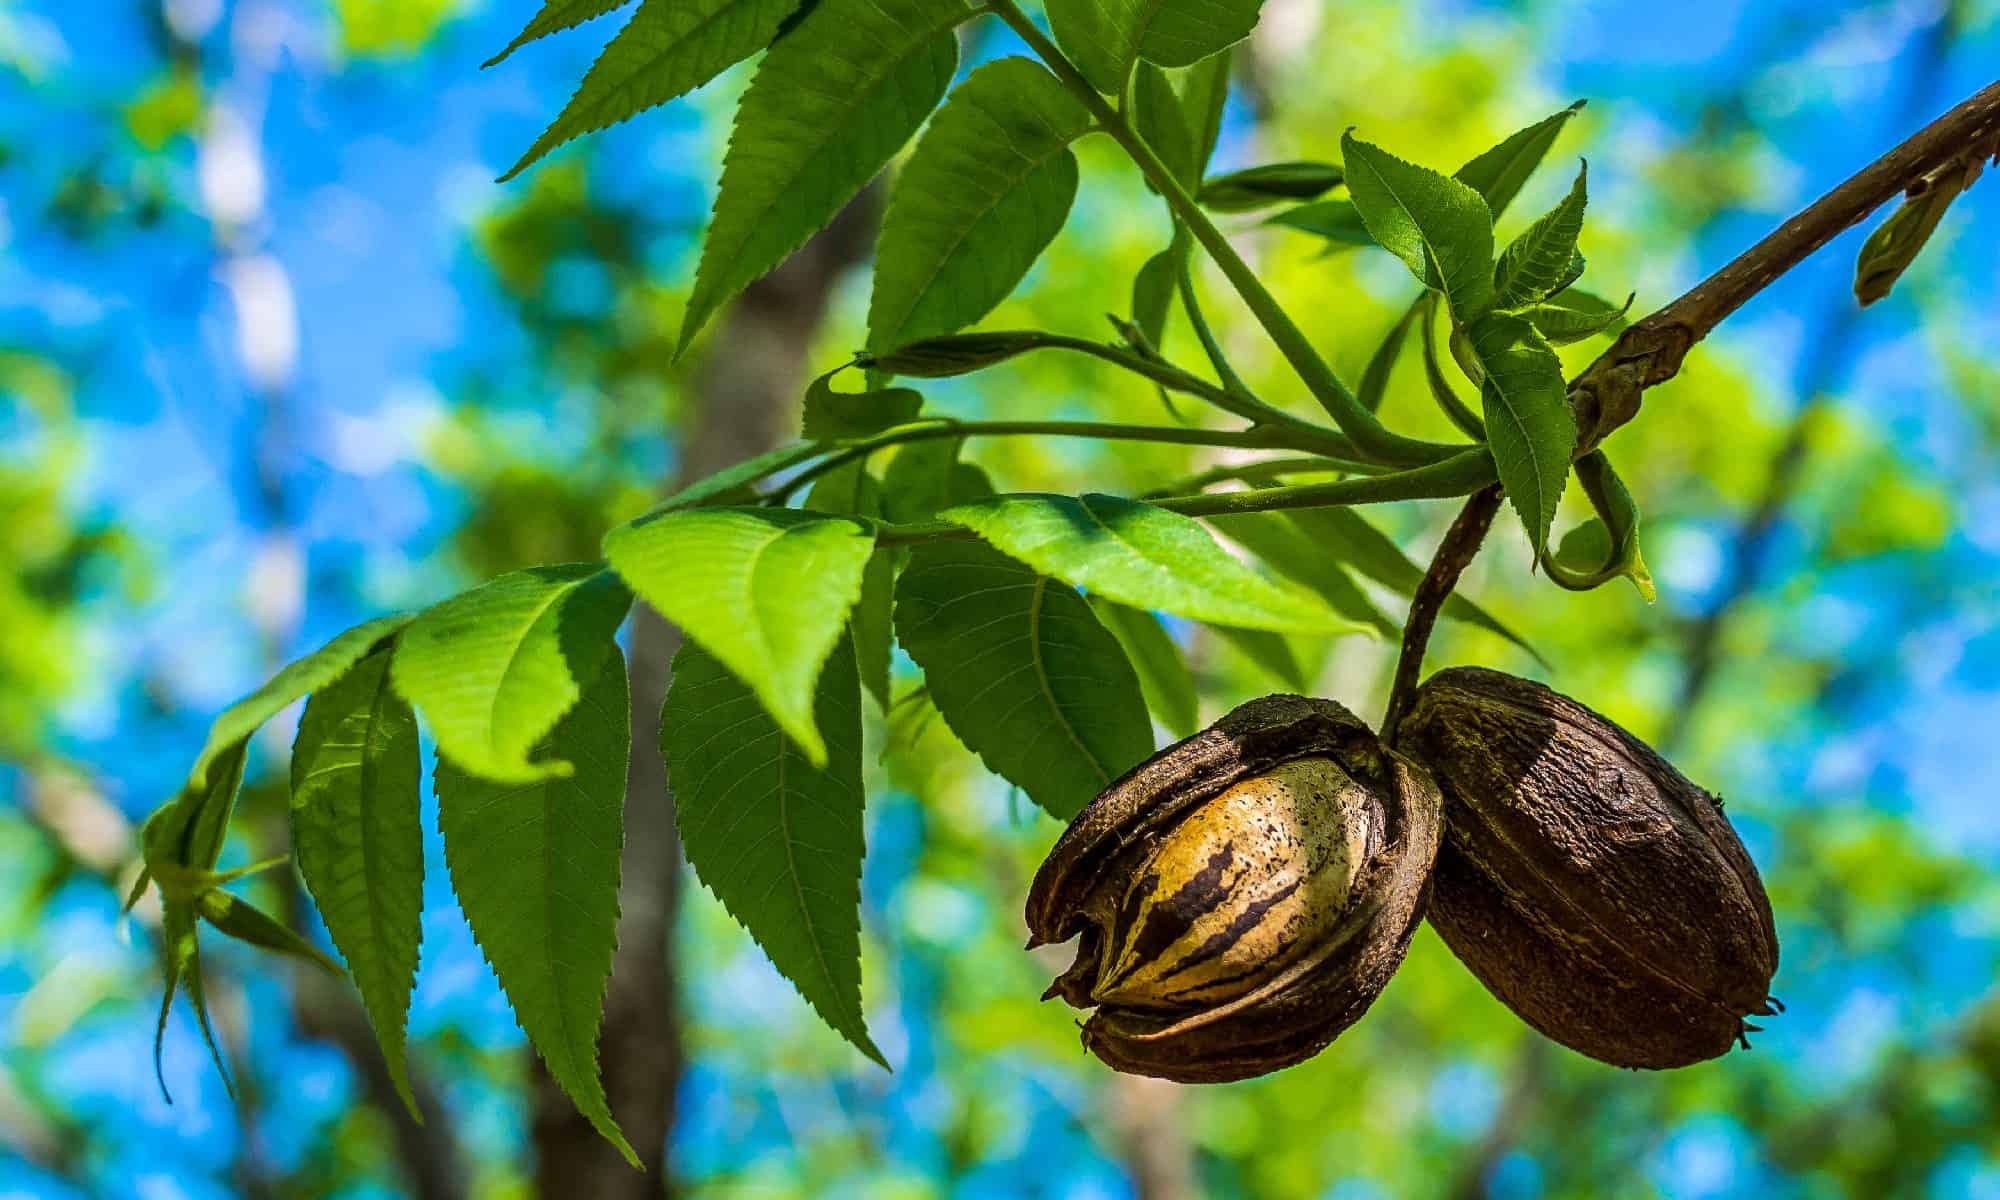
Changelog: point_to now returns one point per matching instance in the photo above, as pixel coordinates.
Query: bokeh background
(277, 354)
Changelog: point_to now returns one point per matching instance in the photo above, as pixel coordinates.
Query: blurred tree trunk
(745, 404)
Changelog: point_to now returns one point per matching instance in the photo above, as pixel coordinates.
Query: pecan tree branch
(1608, 392)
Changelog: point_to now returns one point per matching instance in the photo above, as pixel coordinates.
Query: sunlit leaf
(1145, 556)
(767, 591)
(493, 669)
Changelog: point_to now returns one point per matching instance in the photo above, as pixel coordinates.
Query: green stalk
(1458, 476)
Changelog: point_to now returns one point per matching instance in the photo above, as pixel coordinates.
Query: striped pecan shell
(1584, 880)
(1241, 897)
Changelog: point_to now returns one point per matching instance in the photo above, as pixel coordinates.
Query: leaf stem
(1263, 437)
(1467, 472)
(1374, 439)
(1461, 543)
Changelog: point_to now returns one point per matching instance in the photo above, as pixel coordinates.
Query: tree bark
(746, 403)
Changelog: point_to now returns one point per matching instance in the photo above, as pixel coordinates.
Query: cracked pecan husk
(1585, 881)
(1242, 896)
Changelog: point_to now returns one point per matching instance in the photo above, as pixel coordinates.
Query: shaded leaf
(1382, 364)
(767, 591)
(1895, 244)
(1164, 677)
(1271, 653)
(830, 415)
(241, 920)
(1142, 555)
(832, 101)
(1284, 546)
(1338, 221)
(1023, 672)
(1274, 183)
(953, 354)
(535, 866)
(1347, 536)
(493, 669)
(776, 838)
(852, 490)
(988, 186)
(358, 840)
(1157, 115)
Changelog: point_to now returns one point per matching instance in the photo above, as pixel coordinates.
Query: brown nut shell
(1586, 882)
(1177, 856)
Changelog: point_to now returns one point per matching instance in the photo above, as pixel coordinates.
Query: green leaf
(493, 669)
(1573, 316)
(186, 834)
(556, 16)
(1142, 555)
(535, 866)
(1497, 175)
(308, 674)
(776, 838)
(180, 954)
(1338, 221)
(953, 354)
(668, 49)
(1537, 264)
(1157, 115)
(1023, 672)
(831, 415)
(1441, 387)
(1153, 294)
(1895, 244)
(239, 919)
(852, 490)
(987, 188)
(732, 484)
(1528, 421)
(1606, 546)
(358, 840)
(1274, 183)
(1204, 96)
(1163, 672)
(1346, 535)
(831, 103)
(1105, 37)
(1438, 226)
(1282, 544)
(926, 476)
(1270, 653)
(767, 591)
(1382, 364)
